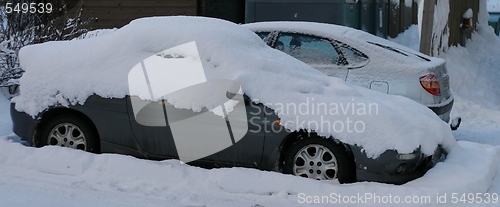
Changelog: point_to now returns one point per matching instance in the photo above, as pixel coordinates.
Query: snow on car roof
(323, 29)
(68, 72)
(350, 36)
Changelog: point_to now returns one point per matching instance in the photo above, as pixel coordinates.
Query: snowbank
(474, 73)
(5, 123)
(493, 5)
(409, 38)
(475, 78)
(110, 180)
(68, 72)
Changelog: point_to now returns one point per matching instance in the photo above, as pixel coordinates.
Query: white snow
(409, 38)
(5, 122)
(493, 5)
(351, 37)
(468, 14)
(68, 72)
(53, 176)
(95, 33)
(440, 29)
(474, 76)
(56, 176)
(440, 26)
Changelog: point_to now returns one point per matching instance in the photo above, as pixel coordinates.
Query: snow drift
(474, 72)
(32, 177)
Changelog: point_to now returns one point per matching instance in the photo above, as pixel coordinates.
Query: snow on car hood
(68, 72)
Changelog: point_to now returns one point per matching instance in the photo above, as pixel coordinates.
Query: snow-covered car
(211, 93)
(363, 59)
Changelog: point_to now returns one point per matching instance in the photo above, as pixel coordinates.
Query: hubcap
(67, 135)
(315, 161)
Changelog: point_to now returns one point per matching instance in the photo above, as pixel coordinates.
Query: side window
(263, 35)
(309, 49)
(352, 56)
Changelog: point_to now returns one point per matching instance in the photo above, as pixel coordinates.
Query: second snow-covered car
(211, 93)
(363, 59)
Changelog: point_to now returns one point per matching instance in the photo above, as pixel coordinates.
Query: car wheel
(69, 131)
(320, 159)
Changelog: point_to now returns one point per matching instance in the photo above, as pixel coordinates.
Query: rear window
(309, 49)
(399, 51)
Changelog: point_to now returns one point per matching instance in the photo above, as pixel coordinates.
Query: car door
(150, 127)
(157, 123)
(320, 53)
(248, 150)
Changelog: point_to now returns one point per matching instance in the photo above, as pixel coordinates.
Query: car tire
(303, 160)
(70, 131)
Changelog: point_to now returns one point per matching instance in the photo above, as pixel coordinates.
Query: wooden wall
(457, 9)
(232, 10)
(401, 17)
(116, 13)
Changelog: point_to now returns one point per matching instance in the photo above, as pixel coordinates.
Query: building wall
(231, 10)
(380, 17)
(401, 16)
(117, 13)
(457, 9)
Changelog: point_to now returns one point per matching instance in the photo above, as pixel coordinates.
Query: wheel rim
(67, 135)
(315, 161)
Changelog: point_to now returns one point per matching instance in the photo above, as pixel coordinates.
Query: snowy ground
(54, 176)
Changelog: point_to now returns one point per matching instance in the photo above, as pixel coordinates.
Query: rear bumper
(24, 125)
(443, 111)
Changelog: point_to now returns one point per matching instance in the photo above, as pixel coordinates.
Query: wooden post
(427, 25)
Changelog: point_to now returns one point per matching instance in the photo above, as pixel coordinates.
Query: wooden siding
(457, 9)
(231, 10)
(401, 17)
(117, 13)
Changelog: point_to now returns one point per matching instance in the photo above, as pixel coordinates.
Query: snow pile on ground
(70, 71)
(5, 121)
(493, 5)
(409, 38)
(474, 75)
(112, 180)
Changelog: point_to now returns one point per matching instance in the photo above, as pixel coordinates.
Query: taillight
(431, 84)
